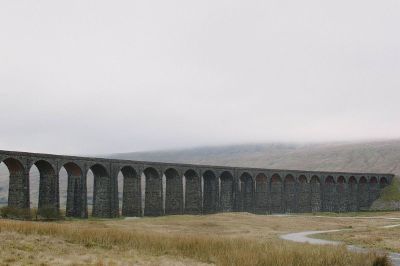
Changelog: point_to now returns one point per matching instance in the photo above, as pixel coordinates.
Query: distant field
(221, 239)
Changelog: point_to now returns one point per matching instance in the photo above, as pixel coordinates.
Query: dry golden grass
(231, 225)
(377, 238)
(224, 239)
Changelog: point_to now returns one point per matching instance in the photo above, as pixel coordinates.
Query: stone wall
(193, 189)
(193, 193)
(226, 192)
(303, 195)
(173, 192)
(246, 195)
(276, 195)
(261, 195)
(101, 192)
(210, 195)
(131, 197)
(153, 193)
(290, 193)
(315, 194)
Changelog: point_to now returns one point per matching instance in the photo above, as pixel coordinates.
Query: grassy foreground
(226, 239)
(377, 238)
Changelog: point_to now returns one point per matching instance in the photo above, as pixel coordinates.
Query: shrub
(48, 212)
(15, 213)
(382, 261)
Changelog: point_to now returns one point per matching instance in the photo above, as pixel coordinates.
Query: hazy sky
(114, 76)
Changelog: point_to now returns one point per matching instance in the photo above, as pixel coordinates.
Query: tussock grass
(204, 248)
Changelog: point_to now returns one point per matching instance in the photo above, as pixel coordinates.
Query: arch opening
(14, 183)
(383, 182)
(5, 181)
(226, 192)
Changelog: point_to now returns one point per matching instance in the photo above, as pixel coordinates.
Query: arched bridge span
(154, 188)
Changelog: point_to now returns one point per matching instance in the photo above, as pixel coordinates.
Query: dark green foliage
(48, 213)
(15, 213)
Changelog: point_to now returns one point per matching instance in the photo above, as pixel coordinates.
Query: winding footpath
(303, 237)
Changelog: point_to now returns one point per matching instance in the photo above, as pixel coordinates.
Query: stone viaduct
(154, 189)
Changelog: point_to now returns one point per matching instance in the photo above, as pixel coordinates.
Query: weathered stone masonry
(193, 189)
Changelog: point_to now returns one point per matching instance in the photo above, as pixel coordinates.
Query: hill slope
(382, 156)
(377, 156)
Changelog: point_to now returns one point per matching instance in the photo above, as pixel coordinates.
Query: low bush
(391, 192)
(48, 212)
(15, 213)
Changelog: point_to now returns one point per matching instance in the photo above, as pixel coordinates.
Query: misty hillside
(378, 156)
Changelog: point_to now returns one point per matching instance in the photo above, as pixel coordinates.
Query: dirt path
(303, 237)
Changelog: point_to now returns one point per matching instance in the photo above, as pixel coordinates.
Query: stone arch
(18, 189)
(342, 194)
(75, 202)
(226, 192)
(352, 194)
(276, 191)
(192, 192)
(173, 192)
(48, 186)
(131, 192)
(363, 196)
(304, 203)
(383, 182)
(153, 193)
(373, 189)
(290, 194)
(329, 195)
(210, 195)
(315, 189)
(246, 193)
(101, 191)
(262, 194)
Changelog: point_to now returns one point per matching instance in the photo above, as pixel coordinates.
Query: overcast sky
(83, 77)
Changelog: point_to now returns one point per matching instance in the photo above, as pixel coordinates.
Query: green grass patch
(391, 192)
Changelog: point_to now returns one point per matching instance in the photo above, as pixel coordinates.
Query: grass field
(370, 237)
(221, 239)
